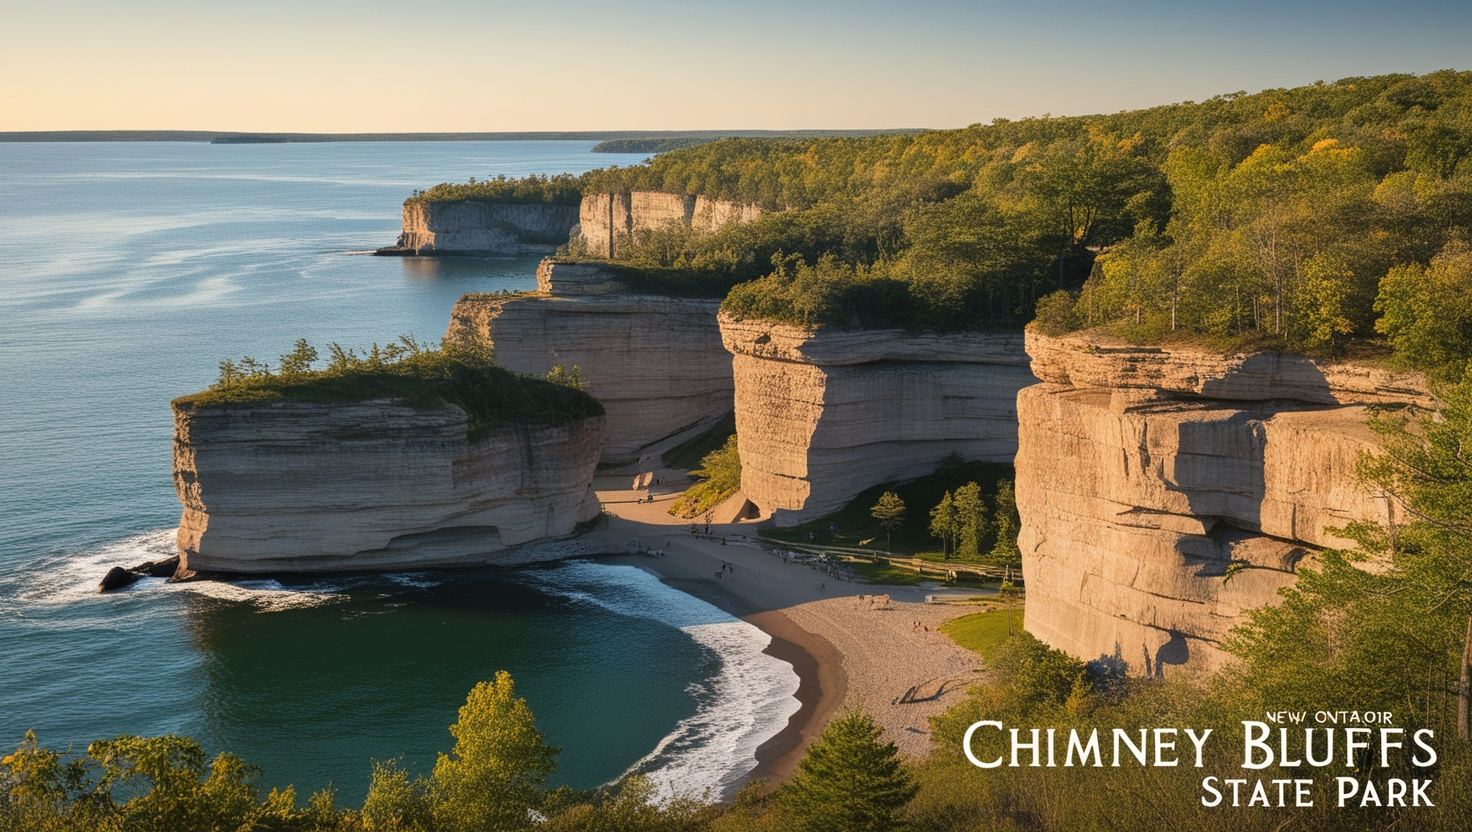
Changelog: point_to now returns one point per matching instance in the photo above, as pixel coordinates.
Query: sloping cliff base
(823, 415)
(655, 363)
(1163, 492)
(472, 227)
(303, 487)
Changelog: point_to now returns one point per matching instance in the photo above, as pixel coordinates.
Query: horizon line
(264, 137)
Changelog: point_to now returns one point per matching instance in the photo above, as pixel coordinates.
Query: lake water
(129, 271)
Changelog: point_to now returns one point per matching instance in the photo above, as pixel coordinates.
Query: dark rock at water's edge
(158, 568)
(117, 578)
(395, 251)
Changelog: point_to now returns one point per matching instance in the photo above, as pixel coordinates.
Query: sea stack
(483, 227)
(291, 486)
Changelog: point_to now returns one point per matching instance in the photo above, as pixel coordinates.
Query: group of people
(726, 567)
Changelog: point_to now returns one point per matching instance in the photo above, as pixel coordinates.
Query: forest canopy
(1311, 219)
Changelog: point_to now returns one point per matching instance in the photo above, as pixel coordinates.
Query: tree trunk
(1465, 683)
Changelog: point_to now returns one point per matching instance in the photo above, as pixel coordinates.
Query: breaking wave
(747, 701)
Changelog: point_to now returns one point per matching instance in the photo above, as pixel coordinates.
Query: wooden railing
(919, 565)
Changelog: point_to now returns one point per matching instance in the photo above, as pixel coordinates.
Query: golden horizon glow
(339, 67)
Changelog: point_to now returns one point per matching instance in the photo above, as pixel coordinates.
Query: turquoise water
(129, 271)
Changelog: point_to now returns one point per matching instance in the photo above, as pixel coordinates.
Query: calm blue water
(127, 272)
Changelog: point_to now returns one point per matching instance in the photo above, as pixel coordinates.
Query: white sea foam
(746, 703)
(74, 577)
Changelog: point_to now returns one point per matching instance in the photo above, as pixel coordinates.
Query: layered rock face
(605, 219)
(656, 363)
(374, 485)
(484, 228)
(821, 416)
(1145, 475)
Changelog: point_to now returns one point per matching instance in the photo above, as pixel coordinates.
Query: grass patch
(688, 455)
(983, 632)
(883, 573)
(855, 526)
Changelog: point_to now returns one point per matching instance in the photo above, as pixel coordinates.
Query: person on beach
(822, 586)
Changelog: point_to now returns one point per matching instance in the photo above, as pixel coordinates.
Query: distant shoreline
(239, 137)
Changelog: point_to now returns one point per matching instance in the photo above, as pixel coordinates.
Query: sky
(488, 65)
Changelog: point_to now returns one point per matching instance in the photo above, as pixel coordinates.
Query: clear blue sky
(439, 65)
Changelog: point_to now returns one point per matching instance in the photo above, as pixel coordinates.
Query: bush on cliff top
(560, 189)
(461, 373)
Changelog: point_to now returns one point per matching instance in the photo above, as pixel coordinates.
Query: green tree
(566, 377)
(229, 373)
(1055, 313)
(395, 802)
(848, 781)
(165, 784)
(1007, 524)
(971, 521)
(1426, 312)
(493, 779)
(890, 512)
(300, 359)
(943, 524)
(253, 368)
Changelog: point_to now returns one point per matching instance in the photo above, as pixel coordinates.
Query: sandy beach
(849, 647)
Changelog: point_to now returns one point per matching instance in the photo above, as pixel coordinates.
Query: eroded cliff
(471, 227)
(304, 487)
(605, 219)
(655, 363)
(822, 415)
(1165, 491)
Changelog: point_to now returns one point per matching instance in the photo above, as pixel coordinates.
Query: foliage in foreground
(849, 781)
(459, 372)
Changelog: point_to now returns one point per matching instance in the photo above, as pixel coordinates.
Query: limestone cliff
(472, 227)
(656, 363)
(1144, 474)
(822, 415)
(604, 219)
(300, 487)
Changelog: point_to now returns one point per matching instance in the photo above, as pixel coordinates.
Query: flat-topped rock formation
(823, 415)
(605, 219)
(656, 363)
(1146, 477)
(471, 227)
(1104, 362)
(299, 487)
